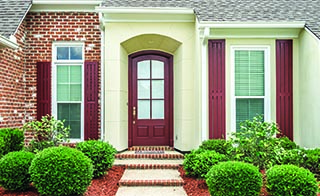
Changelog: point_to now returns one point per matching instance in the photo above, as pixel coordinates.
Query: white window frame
(55, 63)
(266, 97)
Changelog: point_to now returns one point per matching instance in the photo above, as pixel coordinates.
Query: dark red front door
(150, 99)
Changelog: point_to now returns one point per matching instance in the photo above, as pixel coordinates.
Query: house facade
(170, 73)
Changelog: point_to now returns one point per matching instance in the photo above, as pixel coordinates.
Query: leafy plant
(234, 178)
(14, 170)
(285, 143)
(61, 171)
(11, 139)
(101, 153)
(292, 157)
(253, 143)
(47, 132)
(312, 161)
(291, 180)
(219, 145)
(199, 162)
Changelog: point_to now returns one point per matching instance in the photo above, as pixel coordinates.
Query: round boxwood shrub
(14, 170)
(234, 178)
(312, 161)
(101, 153)
(199, 162)
(61, 171)
(219, 145)
(291, 180)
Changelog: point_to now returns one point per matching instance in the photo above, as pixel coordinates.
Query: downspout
(204, 89)
(102, 76)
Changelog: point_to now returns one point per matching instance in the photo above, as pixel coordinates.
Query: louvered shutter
(217, 106)
(91, 101)
(284, 87)
(43, 89)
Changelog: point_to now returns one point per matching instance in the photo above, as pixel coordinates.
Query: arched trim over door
(150, 100)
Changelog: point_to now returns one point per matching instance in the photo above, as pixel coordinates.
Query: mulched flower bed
(103, 186)
(107, 185)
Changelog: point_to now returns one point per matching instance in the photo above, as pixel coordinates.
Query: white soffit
(5, 42)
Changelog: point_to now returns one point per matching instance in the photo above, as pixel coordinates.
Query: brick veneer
(36, 34)
(12, 87)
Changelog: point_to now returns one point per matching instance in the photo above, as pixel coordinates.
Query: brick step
(124, 162)
(169, 182)
(152, 166)
(149, 156)
(151, 148)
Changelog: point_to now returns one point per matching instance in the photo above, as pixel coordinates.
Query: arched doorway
(150, 97)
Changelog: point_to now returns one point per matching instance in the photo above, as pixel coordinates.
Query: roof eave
(249, 25)
(5, 42)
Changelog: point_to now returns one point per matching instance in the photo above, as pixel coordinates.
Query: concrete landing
(151, 191)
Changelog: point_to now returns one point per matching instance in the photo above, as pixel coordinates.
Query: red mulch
(103, 186)
(107, 185)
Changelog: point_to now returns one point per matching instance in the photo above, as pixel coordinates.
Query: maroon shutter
(284, 87)
(91, 101)
(43, 89)
(217, 103)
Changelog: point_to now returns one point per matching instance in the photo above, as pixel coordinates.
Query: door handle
(134, 113)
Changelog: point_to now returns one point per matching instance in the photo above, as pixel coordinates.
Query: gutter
(127, 10)
(8, 42)
(252, 25)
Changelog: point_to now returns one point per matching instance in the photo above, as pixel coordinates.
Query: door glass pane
(157, 69)
(143, 109)
(71, 113)
(158, 89)
(143, 89)
(76, 53)
(157, 109)
(144, 69)
(62, 74)
(62, 53)
(75, 74)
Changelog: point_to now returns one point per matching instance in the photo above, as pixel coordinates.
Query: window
(250, 86)
(67, 81)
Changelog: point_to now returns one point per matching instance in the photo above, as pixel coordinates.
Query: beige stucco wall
(307, 117)
(117, 49)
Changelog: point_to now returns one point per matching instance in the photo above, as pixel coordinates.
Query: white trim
(102, 80)
(54, 81)
(204, 89)
(275, 36)
(254, 25)
(11, 43)
(312, 34)
(66, 2)
(147, 10)
(267, 106)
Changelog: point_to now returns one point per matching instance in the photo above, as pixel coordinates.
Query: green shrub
(312, 161)
(286, 143)
(291, 180)
(292, 157)
(219, 145)
(14, 170)
(47, 132)
(234, 178)
(199, 162)
(61, 171)
(254, 142)
(101, 153)
(11, 139)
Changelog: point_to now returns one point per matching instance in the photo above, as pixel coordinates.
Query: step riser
(151, 166)
(150, 148)
(151, 183)
(149, 156)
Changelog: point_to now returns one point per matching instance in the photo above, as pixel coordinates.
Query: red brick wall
(18, 87)
(12, 91)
